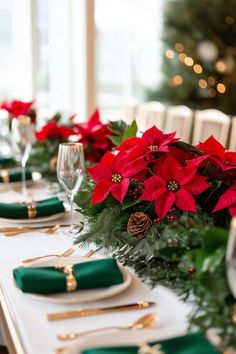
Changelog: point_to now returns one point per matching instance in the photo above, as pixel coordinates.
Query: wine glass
(231, 257)
(70, 172)
(22, 139)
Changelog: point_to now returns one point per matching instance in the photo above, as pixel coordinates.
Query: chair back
(211, 122)
(149, 114)
(179, 119)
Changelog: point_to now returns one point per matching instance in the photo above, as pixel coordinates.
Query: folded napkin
(5, 161)
(195, 343)
(89, 275)
(16, 176)
(45, 207)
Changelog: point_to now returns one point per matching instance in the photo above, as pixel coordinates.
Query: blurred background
(75, 55)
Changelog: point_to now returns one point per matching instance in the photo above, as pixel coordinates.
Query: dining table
(25, 328)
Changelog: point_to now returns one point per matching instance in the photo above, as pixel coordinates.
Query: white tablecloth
(37, 334)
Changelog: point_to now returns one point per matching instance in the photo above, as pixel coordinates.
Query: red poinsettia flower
(218, 154)
(53, 131)
(174, 184)
(95, 137)
(227, 200)
(17, 108)
(153, 140)
(112, 174)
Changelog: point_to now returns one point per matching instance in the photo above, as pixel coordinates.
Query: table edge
(11, 333)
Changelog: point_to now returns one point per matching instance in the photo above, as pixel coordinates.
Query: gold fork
(67, 253)
(23, 230)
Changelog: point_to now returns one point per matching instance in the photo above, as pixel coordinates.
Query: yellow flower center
(116, 178)
(172, 186)
(153, 147)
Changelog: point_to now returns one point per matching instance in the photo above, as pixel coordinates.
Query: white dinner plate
(85, 295)
(34, 220)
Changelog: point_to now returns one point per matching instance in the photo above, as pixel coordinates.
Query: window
(128, 47)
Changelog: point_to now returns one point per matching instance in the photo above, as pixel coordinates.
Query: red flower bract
(112, 175)
(53, 131)
(152, 141)
(174, 184)
(228, 200)
(95, 137)
(218, 154)
(17, 108)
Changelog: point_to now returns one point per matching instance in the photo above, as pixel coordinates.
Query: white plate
(81, 295)
(34, 220)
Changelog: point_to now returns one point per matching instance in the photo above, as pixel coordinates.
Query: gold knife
(95, 311)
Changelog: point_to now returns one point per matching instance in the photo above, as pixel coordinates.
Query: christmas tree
(199, 54)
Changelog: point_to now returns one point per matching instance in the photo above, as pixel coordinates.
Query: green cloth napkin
(45, 207)
(89, 275)
(16, 176)
(194, 343)
(5, 161)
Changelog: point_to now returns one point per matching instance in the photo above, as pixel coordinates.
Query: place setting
(29, 213)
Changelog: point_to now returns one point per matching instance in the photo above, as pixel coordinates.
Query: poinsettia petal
(152, 135)
(99, 172)
(129, 143)
(94, 119)
(227, 199)
(153, 188)
(197, 185)
(119, 190)
(212, 146)
(163, 204)
(101, 191)
(170, 170)
(184, 200)
(107, 159)
(132, 168)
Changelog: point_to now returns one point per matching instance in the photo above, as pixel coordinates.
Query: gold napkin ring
(32, 209)
(71, 283)
(144, 348)
(5, 176)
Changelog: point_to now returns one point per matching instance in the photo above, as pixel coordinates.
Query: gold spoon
(49, 230)
(146, 321)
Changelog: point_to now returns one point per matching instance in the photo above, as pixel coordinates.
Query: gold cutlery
(22, 230)
(63, 350)
(67, 253)
(146, 321)
(95, 311)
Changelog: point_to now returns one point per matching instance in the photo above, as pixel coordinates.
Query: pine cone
(138, 225)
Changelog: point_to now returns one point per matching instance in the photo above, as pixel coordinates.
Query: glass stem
(23, 178)
(71, 198)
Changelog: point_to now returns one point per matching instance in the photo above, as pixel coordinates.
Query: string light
(169, 53)
(188, 61)
(182, 57)
(221, 88)
(202, 83)
(229, 20)
(220, 66)
(211, 80)
(197, 69)
(177, 80)
(179, 47)
(211, 92)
